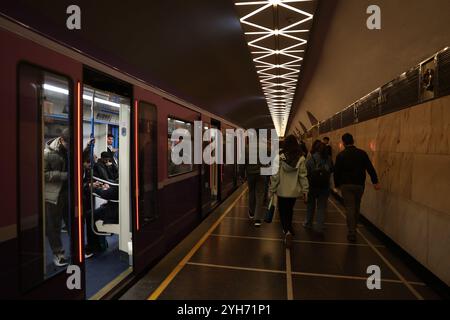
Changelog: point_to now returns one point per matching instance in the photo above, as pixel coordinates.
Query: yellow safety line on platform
(155, 295)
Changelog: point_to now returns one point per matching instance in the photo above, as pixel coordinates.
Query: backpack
(320, 176)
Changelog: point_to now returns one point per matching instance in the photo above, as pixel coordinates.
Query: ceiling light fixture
(280, 47)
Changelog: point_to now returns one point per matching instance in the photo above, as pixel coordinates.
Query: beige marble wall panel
(389, 132)
(440, 131)
(404, 221)
(439, 244)
(431, 181)
(415, 129)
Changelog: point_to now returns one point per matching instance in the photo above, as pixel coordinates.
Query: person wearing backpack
(319, 167)
(289, 183)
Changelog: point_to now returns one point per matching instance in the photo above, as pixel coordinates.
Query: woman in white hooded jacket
(289, 183)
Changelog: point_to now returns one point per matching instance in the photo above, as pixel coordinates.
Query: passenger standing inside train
(350, 177)
(319, 168)
(112, 151)
(255, 180)
(56, 156)
(289, 183)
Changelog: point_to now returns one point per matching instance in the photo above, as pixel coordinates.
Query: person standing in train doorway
(350, 177)
(56, 157)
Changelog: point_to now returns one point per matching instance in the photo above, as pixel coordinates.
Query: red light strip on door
(78, 173)
(136, 159)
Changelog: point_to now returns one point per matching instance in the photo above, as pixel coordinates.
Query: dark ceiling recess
(196, 51)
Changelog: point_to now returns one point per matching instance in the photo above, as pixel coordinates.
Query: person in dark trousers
(95, 243)
(256, 184)
(319, 168)
(329, 151)
(350, 177)
(289, 183)
(56, 193)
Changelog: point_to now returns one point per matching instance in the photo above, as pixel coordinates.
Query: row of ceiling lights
(278, 81)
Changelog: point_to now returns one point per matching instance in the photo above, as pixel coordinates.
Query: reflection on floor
(239, 261)
(102, 268)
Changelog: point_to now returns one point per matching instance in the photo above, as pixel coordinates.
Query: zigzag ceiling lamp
(277, 33)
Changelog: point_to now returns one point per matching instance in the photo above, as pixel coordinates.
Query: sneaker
(64, 229)
(257, 223)
(60, 260)
(288, 239)
(351, 238)
(251, 215)
(88, 254)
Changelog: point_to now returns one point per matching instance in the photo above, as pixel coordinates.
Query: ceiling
(346, 61)
(195, 50)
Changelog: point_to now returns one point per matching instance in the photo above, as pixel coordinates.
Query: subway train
(88, 185)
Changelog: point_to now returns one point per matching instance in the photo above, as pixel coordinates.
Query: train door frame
(105, 83)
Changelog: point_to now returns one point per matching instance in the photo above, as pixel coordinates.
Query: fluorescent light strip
(85, 97)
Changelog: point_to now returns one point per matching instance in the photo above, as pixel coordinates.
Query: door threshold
(110, 286)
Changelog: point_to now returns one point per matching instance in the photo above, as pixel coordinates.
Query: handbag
(270, 210)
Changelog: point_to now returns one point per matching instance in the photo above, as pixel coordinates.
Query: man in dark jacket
(350, 176)
(105, 169)
(56, 193)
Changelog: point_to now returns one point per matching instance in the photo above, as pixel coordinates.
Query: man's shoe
(60, 260)
(351, 238)
(288, 240)
(257, 223)
(251, 216)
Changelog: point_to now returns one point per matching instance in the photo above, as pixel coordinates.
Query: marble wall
(410, 150)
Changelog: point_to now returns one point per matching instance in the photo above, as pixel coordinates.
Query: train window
(44, 104)
(174, 169)
(148, 173)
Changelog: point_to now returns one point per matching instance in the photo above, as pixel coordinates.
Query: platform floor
(235, 260)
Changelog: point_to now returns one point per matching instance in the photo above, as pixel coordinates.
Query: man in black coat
(350, 177)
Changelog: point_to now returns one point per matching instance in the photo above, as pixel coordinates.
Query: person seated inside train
(95, 243)
(105, 168)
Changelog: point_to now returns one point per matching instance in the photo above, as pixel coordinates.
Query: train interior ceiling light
(277, 33)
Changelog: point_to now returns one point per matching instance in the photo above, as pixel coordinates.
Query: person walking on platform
(256, 183)
(350, 177)
(289, 183)
(319, 168)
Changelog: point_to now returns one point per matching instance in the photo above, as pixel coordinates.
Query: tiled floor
(239, 261)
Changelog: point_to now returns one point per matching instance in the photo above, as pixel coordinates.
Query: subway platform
(227, 258)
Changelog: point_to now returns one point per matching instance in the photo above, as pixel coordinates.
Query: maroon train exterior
(181, 202)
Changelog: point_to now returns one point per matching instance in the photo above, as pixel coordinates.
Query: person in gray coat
(56, 192)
